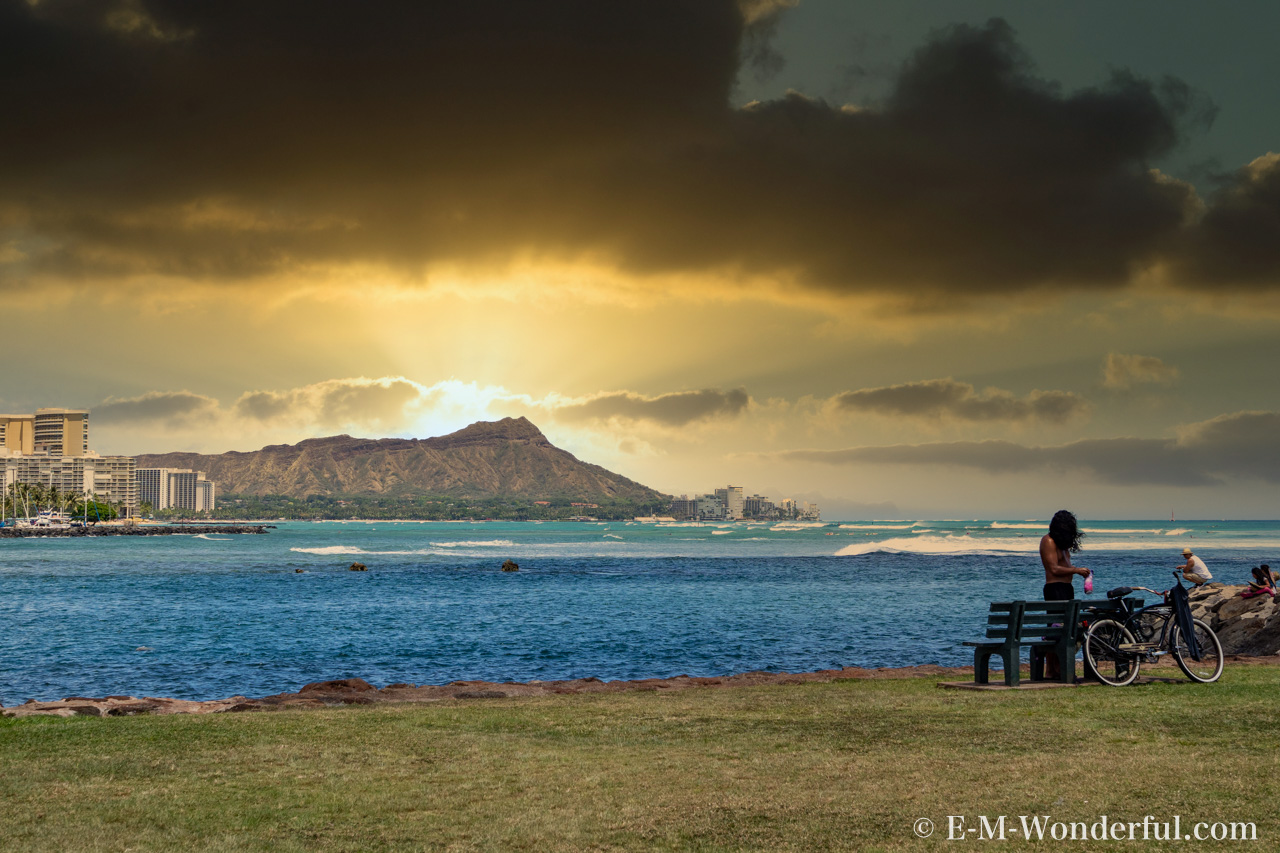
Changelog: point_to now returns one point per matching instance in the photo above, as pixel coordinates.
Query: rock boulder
(1245, 626)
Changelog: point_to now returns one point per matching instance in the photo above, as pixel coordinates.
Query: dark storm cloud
(164, 407)
(223, 140)
(947, 398)
(678, 409)
(1237, 241)
(1244, 445)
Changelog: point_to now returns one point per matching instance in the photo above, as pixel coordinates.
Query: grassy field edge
(838, 765)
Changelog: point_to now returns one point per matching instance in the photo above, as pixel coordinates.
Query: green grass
(844, 765)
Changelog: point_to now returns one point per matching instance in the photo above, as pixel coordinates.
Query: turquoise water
(208, 617)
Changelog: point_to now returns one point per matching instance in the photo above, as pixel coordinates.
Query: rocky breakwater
(1245, 626)
(132, 530)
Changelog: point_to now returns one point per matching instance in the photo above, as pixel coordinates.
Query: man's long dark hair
(1064, 532)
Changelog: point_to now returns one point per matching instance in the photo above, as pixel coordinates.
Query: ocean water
(203, 617)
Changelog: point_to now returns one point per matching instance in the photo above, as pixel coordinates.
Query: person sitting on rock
(1263, 583)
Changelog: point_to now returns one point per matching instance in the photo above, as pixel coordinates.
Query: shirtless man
(1055, 553)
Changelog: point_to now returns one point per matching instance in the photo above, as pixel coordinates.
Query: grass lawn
(845, 765)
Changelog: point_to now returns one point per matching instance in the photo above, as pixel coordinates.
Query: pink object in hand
(1088, 583)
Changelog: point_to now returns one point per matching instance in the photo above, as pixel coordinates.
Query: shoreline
(357, 691)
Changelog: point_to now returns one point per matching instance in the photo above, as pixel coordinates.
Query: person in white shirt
(1194, 569)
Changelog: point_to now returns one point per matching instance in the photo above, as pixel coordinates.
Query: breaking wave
(332, 549)
(475, 543)
(941, 545)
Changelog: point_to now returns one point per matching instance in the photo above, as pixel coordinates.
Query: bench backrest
(1050, 620)
(1004, 621)
(1037, 620)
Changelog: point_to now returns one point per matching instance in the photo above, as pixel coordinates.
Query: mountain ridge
(509, 458)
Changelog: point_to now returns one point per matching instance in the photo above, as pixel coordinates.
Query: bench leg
(981, 660)
(1065, 656)
(1012, 664)
(1066, 663)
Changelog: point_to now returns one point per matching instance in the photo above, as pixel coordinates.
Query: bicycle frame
(1158, 646)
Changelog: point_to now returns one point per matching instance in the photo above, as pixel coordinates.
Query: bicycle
(1116, 648)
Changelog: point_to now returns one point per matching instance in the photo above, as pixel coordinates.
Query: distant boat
(48, 518)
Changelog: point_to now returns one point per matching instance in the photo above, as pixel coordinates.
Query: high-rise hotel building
(51, 447)
(57, 432)
(175, 488)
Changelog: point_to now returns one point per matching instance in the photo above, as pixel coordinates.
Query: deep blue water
(203, 618)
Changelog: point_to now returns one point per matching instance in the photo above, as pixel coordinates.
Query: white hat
(1186, 552)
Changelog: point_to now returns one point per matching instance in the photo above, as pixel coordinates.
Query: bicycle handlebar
(1122, 591)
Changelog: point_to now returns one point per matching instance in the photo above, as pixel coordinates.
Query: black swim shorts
(1059, 591)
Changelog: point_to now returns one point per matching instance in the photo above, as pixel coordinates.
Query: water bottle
(1088, 583)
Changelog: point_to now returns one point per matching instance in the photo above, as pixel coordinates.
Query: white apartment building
(175, 488)
(731, 497)
(204, 495)
(106, 478)
(710, 508)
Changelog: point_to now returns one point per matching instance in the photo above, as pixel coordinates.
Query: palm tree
(39, 493)
(74, 504)
(9, 501)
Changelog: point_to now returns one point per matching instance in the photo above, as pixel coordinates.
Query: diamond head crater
(503, 469)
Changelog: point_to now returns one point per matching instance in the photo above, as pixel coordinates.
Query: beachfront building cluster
(175, 488)
(51, 448)
(731, 504)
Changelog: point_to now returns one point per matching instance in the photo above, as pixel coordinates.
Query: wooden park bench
(1047, 628)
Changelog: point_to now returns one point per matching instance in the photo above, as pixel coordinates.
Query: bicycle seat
(1119, 592)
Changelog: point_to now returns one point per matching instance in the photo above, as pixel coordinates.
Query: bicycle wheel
(1102, 650)
(1209, 667)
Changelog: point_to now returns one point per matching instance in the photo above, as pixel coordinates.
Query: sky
(905, 259)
